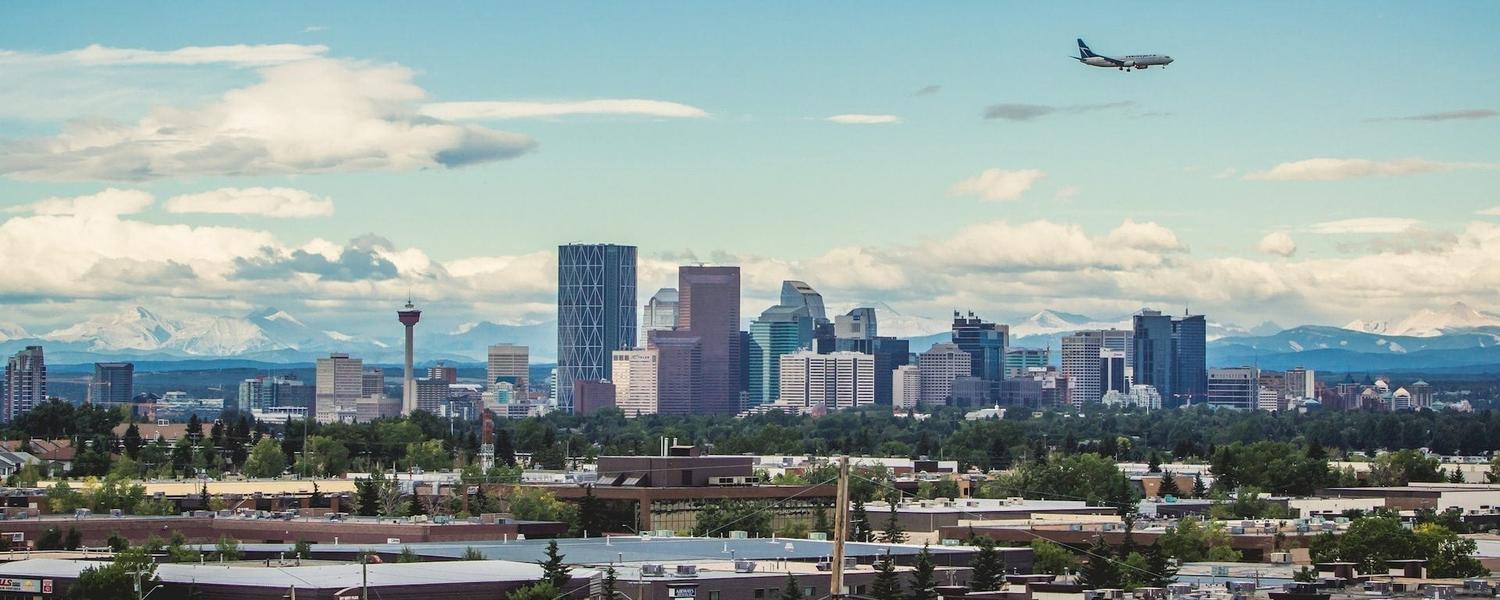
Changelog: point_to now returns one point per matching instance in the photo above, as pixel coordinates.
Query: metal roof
(251, 574)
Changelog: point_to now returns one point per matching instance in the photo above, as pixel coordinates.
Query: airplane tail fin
(1083, 49)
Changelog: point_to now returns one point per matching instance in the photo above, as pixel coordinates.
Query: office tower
(939, 366)
(798, 293)
(1080, 364)
(509, 363)
(985, 342)
(339, 385)
(824, 338)
(1421, 393)
(679, 371)
(890, 353)
(113, 383)
(596, 307)
(372, 382)
(973, 392)
(1235, 388)
(1171, 354)
(1301, 383)
(635, 381)
(432, 394)
(708, 308)
(660, 312)
(1120, 340)
(443, 372)
(251, 396)
(836, 380)
(780, 330)
(857, 324)
(906, 388)
(25, 382)
(409, 316)
(286, 391)
(1268, 399)
(1112, 377)
(590, 397)
(1020, 360)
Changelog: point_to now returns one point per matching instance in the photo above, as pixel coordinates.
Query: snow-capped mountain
(1430, 323)
(12, 331)
(1051, 322)
(132, 329)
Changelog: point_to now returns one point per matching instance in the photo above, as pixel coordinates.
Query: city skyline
(970, 166)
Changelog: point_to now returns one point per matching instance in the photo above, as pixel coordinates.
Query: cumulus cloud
(1066, 192)
(1332, 169)
(1467, 114)
(1491, 212)
(315, 115)
(1029, 112)
(998, 184)
(1278, 243)
(110, 202)
(244, 55)
(266, 202)
(863, 119)
(1002, 246)
(499, 110)
(1364, 225)
(352, 264)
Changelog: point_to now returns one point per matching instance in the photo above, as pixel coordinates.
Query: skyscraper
(25, 382)
(835, 381)
(1190, 359)
(339, 386)
(1171, 354)
(659, 313)
(857, 324)
(596, 307)
(709, 308)
(985, 342)
(1080, 364)
(636, 387)
(906, 388)
(938, 367)
(1019, 360)
(408, 316)
(509, 363)
(780, 330)
(443, 372)
(679, 371)
(1301, 383)
(1235, 387)
(798, 293)
(113, 383)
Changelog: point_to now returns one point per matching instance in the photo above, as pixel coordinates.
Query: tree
(1193, 541)
(1456, 476)
(554, 570)
(1168, 485)
(118, 579)
(326, 456)
(302, 549)
(133, 441)
(472, 553)
(1372, 541)
(1100, 570)
(721, 517)
(988, 567)
(591, 517)
(1277, 467)
(820, 520)
(791, 590)
(408, 555)
(1305, 574)
(860, 529)
(923, 583)
(367, 493)
(610, 582)
(537, 504)
(1159, 569)
(227, 549)
(74, 539)
(266, 459)
(1154, 466)
(505, 451)
(536, 591)
(427, 455)
(1402, 467)
(1448, 555)
(1048, 557)
(1200, 489)
(887, 585)
(52, 539)
(893, 534)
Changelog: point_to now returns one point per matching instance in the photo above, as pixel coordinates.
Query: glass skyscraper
(1171, 355)
(708, 307)
(985, 342)
(780, 330)
(596, 312)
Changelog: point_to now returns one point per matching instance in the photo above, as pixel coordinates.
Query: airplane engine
(1138, 67)
(1129, 63)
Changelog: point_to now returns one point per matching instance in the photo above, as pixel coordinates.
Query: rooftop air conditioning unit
(1281, 558)
(686, 571)
(818, 536)
(653, 570)
(738, 534)
(744, 566)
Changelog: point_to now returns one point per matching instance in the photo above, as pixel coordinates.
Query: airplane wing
(1114, 61)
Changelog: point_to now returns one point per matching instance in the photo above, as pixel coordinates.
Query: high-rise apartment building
(636, 386)
(596, 312)
(906, 388)
(1171, 354)
(443, 372)
(25, 382)
(836, 380)
(1301, 383)
(679, 370)
(509, 363)
(113, 383)
(939, 366)
(432, 394)
(660, 313)
(780, 330)
(985, 342)
(1080, 364)
(339, 386)
(798, 293)
(1234, 387)
(708, 308)
(372, 382)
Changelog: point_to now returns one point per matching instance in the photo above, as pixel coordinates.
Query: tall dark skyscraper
(708, 306)
(25, 382)
(113, 383)
(596, 307)
(985, 342)
(1170, 354)
(679, 378)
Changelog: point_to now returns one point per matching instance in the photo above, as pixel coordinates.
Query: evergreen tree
(923, 584)
(591, 514)
(367, 493)
(1315, 451)
(988, 567)
(1457, 476)
(792, 590)
(893, 533)
(1100, 571)
(505, 450)
(1154, 466)
(887, 585)
(1122, 497)
(1168, 485)
(133, 441)
(1200, 489)
(610, 581)
(1127, 541)
(860, 529)
(195, 428)
(1160, 569)
(554, 571)
(820, 520)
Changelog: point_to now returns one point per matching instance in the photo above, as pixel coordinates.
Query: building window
(759, 593)
(807, 592)
(713, 595)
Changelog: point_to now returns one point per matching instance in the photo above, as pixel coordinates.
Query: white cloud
(109, 202)
(998, 184)
(1049, 246)
(1364, 225)
(1332, 169)
(498, 110)
(1491, 212)
(308, 116)
(1066, 193)
(266, 202)
(245, 55)
(1278, 243)
(863, 119)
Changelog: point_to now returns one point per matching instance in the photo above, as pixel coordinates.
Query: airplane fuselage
(1135, 61)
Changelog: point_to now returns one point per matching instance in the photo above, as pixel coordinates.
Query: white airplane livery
(1123, 63)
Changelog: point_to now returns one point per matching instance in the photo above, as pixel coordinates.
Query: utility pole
(364, 577)
(840, 528)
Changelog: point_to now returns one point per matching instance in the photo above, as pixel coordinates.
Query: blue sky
(866, 212)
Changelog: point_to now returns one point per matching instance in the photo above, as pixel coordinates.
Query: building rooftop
(253, 574)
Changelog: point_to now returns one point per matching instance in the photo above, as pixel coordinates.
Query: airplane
(1124, 63)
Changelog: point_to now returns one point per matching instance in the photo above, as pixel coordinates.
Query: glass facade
(596, 312)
